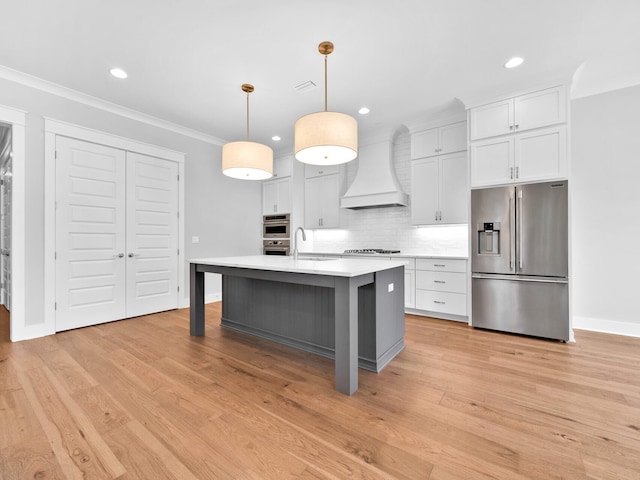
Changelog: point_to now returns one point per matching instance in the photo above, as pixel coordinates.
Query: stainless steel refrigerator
(519, 259)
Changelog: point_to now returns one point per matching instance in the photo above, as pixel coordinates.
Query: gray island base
(348, 309)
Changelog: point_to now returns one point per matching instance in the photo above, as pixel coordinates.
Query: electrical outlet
(195, 239)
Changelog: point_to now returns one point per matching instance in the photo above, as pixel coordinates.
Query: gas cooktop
(378, 251)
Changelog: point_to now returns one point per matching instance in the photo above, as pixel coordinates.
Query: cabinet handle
(517, 172)
(511, 173)
(131, 255)
(439, 281)
(320, 172)
(510, 127)
(439, 302)
(120, 255)
(517, 126)
(438, 265)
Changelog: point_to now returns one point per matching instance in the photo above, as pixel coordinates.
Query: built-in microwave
(276, 226)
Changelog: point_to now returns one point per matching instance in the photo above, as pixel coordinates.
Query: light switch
(390, 287)
(195, 239)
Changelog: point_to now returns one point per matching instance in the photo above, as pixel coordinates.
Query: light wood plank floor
(140, 398)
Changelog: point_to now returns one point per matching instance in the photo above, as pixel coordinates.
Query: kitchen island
(348, 309)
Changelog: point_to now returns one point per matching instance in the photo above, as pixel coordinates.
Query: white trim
(213, 297)
(70, 130)
(628, 329)
(19, 330)
(54, 128)
(95, 102)
(415, 126)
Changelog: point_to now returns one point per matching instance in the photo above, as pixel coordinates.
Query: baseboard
(213, 297)
(628, 329)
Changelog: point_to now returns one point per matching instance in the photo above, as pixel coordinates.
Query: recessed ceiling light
(363, 111)
(118, 73)
(276, 138)
(514, 62)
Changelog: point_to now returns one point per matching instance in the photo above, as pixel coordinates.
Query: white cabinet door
(424, 191)
(283, 204)
(491, 120)
(152, 235)
(425, 143)
(453, 138)
(438, 141)
(90, 234)
(269, 197)
(409, 288)
(453, 188)
(311, 171)
(282, 166)
(541, 154)
(492, 161)
(321, 202)
(276, 196)
(539, 109)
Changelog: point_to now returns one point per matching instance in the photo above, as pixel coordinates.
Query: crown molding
(95, 102)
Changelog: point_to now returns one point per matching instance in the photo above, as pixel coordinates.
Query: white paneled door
(116, 234)
(5, 233)
(152, 234)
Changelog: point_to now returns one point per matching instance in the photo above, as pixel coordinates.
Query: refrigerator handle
(512, 231)
(520, 235)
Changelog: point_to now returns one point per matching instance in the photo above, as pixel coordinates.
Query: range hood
(375, 184)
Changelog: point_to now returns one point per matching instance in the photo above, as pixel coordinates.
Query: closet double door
(116, 234)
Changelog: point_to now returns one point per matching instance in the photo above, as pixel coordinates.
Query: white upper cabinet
(282, 166)
(538, 109)
(439, 141)
(322, 202)
(530, 156)
(439, 190)
(311, 171)
(276, 196)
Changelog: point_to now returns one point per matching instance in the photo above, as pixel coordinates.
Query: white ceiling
(187, 59)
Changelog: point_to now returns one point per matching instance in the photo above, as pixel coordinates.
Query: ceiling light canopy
(326, 138)
(514, 62)
(118, 73)
(247, 160)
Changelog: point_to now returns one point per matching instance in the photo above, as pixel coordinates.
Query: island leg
(346, 331)
(196, 314)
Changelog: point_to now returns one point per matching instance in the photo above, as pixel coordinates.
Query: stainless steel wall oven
(275, 247)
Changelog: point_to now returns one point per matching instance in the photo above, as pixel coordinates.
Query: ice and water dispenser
(489, 238)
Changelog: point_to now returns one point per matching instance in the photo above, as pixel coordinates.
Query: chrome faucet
(295, 242)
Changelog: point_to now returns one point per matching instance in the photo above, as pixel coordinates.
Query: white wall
(223, 212)
(389, 227)
(606, 211)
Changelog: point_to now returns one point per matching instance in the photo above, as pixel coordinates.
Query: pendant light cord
(248, 137)
(325, 82)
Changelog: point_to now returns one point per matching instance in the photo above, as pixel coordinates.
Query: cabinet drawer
(311, 171)
(443, 302)
(441, 281)
(441, 264)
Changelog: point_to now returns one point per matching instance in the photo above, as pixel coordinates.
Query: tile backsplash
(389, 227)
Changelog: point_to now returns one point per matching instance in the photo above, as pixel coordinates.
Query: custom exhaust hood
(375, 184)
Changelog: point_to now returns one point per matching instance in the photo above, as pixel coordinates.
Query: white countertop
(388, 255)
(340, 267)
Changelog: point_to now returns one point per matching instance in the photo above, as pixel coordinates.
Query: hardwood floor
(140, 398)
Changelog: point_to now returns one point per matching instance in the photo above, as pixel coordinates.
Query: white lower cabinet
(441, 286)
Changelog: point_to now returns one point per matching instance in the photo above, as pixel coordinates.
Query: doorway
(6, 174)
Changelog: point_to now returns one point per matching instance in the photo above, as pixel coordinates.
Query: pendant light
(326, 138)
(247, 160)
